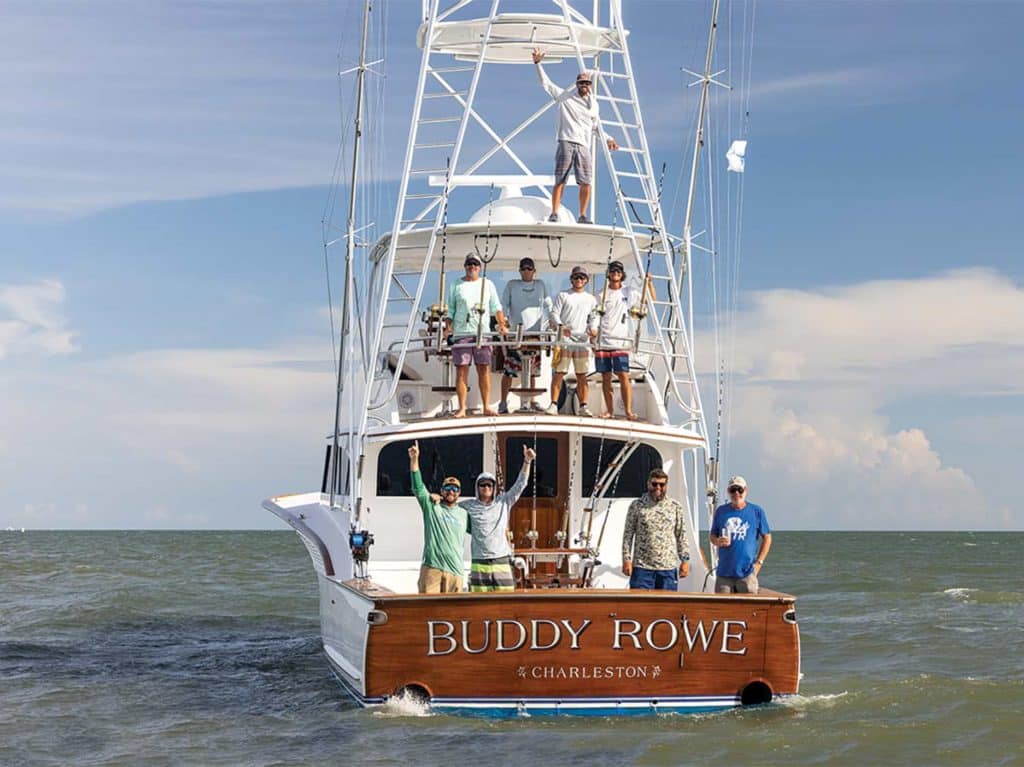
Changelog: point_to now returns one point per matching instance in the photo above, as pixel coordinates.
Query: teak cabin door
(552, 486)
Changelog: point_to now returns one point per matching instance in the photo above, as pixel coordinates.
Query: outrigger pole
(345, 343)
(685, 274)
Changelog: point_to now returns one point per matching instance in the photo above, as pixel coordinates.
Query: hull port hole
(755, 694)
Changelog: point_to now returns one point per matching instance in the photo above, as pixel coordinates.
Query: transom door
(548, 487)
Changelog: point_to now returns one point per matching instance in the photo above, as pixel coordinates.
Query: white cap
(737, 481)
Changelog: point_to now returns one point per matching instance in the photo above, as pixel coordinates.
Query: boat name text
(507, 635)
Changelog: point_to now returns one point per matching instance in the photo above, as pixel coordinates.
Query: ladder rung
(431, 120)
(629, 174)
(423, 196)
(620, 125)
(628, 150)
(444, 70)
(427, 171)
(433, 146)
(638, 199)
(612, 74)
(615, 99)
(446, 94)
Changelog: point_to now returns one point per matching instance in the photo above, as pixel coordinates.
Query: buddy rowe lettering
(475, 637)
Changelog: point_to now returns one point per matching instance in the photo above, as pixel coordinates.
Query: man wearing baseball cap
(471, 304)
(444, 530)
(578, 121)
(491, 568)
(522, 301)
(740, 531)
(572, 313)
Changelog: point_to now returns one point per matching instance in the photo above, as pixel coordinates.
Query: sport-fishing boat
(571, 638)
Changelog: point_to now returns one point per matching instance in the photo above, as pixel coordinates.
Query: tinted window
(440, 457)
(632, 480)
(546, 465)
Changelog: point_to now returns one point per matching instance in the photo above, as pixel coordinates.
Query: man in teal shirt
(444, 530)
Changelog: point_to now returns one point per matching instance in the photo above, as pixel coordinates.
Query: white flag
(735, 156)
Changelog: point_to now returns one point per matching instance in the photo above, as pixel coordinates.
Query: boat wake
(404, 704)
(823, 700)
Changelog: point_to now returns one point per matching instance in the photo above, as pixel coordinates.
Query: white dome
(514, 210)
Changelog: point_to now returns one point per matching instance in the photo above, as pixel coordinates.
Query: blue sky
(164, 354)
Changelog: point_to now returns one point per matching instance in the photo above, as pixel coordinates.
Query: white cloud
(165, 438)
(817, 370)
(32, 320)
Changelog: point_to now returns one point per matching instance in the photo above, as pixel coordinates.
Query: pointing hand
(538, 54)
(528, 453)
(414, 451)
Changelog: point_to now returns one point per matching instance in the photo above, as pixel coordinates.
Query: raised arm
(418, 488)
(512, 494)
(545, 82)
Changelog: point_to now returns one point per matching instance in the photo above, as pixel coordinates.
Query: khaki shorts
(746, 585)
(434, 581)
(578, 358)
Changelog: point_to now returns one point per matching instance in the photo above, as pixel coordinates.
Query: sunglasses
(472, 266)
(584, 82)
(578, 277)
(486, 484)
(737, 490)
(658, 484)
(450, 489)
(526, 268)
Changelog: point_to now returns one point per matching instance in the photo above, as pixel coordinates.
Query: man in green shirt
(444, 531)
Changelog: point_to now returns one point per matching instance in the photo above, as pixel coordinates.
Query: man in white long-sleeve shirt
(577, 122)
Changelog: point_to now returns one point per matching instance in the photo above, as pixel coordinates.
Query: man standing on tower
(578, 120)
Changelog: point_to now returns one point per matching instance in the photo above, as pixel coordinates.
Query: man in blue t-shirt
(741, 533)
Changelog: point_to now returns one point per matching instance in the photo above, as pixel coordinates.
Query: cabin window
(440, 457)
(632, 480)
(546, 465)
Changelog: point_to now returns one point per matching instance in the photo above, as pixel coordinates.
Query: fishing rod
(599, 311)
(640, 313)
(439, 311)
(485, 259)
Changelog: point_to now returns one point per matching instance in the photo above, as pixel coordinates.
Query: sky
(165, 354)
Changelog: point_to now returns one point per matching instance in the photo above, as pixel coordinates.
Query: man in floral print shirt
(654, 548)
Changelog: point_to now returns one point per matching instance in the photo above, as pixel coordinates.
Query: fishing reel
(435, 315)
(638, 312)
(359, 542)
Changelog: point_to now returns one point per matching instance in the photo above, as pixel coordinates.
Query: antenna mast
(345, 349)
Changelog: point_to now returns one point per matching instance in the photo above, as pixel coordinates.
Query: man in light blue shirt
(471, 303)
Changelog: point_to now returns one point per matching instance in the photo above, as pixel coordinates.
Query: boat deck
(368, 588)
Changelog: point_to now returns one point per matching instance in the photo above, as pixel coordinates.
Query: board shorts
(491, 575)
(611, 361)
(512, 359)
(575, 157)
(465, 352)
(578, 358)
(434, 581)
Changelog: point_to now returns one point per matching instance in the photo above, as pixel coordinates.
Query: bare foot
(488, 411)
(606, 414)
(459, 414)
(632, 416)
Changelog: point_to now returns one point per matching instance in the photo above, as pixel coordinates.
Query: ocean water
(201, 648)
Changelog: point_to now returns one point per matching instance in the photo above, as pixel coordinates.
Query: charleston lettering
(540, 634)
